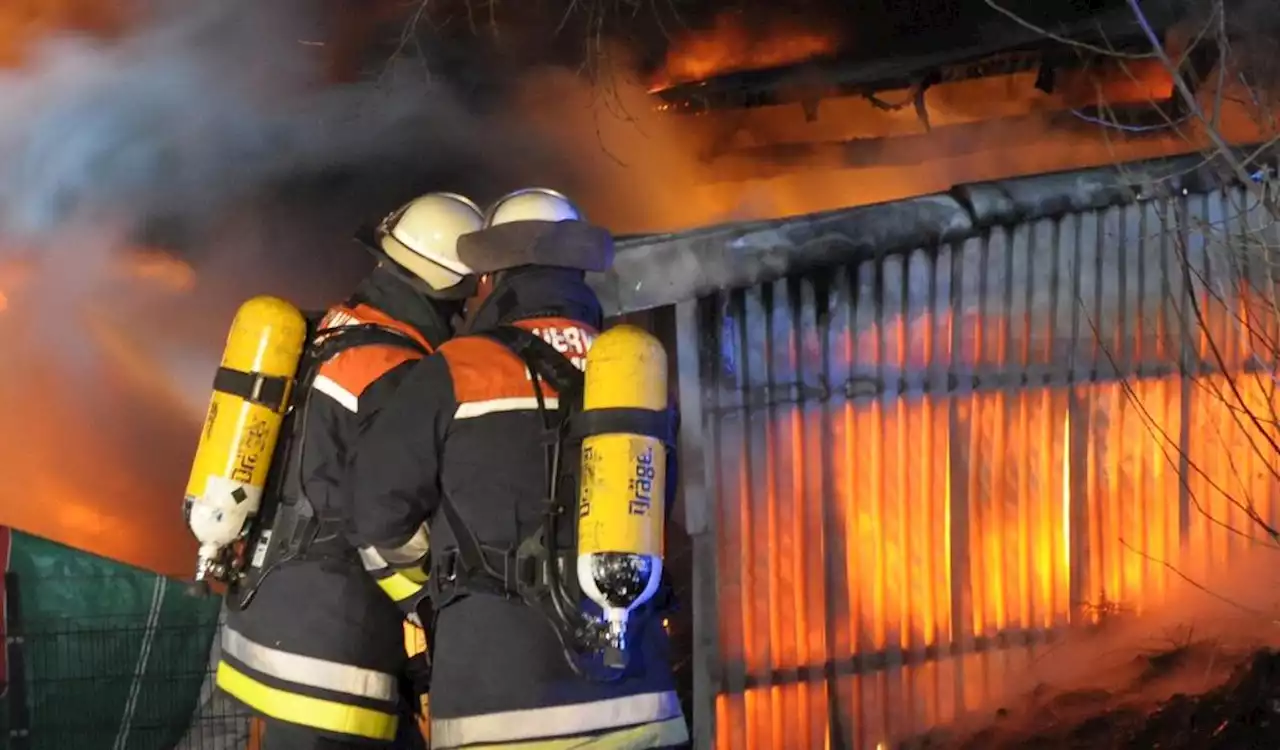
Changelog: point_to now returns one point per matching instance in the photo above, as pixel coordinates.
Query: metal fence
(99, 655)
(68, 672)
(64, 673)
(922, 466)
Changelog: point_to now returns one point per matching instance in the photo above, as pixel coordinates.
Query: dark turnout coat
(464, 424)
(321, 645)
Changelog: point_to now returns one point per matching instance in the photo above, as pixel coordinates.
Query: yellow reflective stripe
(661, 734)
(330, 716)
(415, 574)
(399, 587)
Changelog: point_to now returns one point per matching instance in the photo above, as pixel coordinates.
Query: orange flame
(730, 46)
(653, 171)
(869, 539)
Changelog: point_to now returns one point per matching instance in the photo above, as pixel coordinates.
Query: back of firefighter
(465, 426)
(319, 651)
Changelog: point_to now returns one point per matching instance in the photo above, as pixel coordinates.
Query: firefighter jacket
(321, 643)
(464, 424)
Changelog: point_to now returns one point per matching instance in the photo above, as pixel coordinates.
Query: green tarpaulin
(102, 656)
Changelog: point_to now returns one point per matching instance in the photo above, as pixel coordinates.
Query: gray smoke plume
(213, 118)
(202, 105)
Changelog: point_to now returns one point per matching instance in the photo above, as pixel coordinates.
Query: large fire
(869, 518)
(668, 172)
(676, 172)
(104, 426)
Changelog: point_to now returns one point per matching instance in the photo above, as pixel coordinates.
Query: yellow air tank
(623, 481)
(251, 393)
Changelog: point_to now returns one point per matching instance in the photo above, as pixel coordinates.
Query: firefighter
(461, 444)
(314, 644)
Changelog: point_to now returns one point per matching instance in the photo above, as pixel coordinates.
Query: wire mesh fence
(99, 656)
(133, 683)
(109, 683)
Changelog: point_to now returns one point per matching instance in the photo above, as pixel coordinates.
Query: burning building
(935, 417)
(938, 433)
(944, 430)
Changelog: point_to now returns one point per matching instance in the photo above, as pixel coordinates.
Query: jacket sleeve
(395, 466)
(403, 587)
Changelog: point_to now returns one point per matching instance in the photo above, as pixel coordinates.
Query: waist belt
(500, 571)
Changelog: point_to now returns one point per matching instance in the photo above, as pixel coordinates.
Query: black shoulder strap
(541, 357)
(293, 522)
(474, 567)
(326, 344)
(330, 342)
(500, 572)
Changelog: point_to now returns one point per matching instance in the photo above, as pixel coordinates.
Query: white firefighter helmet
(532, 204)
(422, 237)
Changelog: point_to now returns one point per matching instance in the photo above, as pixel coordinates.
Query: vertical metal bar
(958, 472)
(1098, 499)
(888, 597)
(733, 518)
(984, 573)
(918, 446)
(896, 575)
(1179, 233)
(758, 601)
(1069, 234)
(1126, 496)
(1005, 467)
(783, 500)
(843, 608)
(866, 522)
(939, 398)
(1149, 412)
(816, 495)
(19, 723)
(1022, 286)
(697, 487)
(1057, 473)
(696, 478)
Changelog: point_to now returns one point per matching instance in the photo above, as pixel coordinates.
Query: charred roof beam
(835, 77)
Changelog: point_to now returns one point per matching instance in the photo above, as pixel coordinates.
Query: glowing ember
(730, 46)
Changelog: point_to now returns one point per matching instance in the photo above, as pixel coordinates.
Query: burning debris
(1242, 711)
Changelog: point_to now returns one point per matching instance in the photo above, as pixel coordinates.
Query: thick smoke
(203, 105)
(208, 129)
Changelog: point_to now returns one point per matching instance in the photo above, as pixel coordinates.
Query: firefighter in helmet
(314, 642)
(460, 451)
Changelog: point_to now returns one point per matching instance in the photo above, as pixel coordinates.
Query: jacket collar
(539, 292)
(432, 318)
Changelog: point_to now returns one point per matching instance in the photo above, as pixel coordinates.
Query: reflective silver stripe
(473, 409)
(308, 670)
(371, 560)
(411, 551)
(329, 387)
(555, 721)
